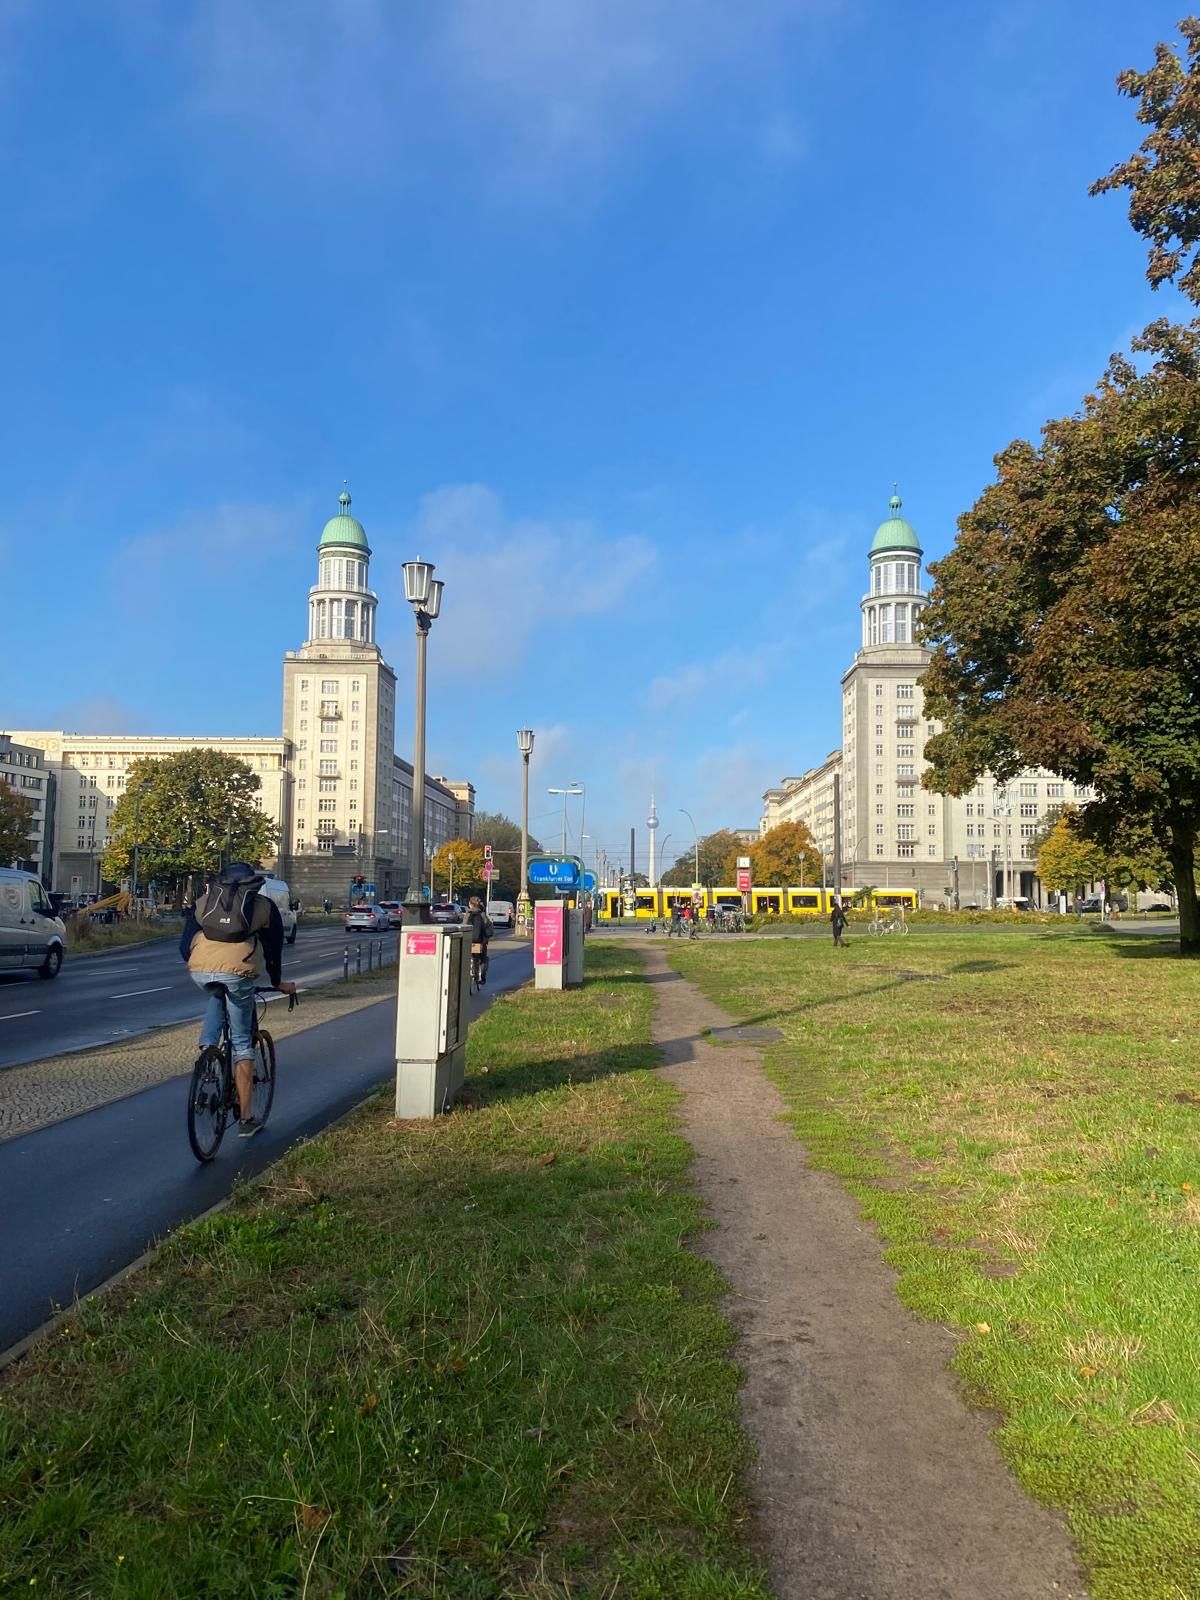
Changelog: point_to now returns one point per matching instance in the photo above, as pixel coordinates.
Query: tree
(1163, 175)
(1064, 623)
(718, 853)
(197, 809)
(16, 820)
(467, 861)
(504, 836)
(1066, 861)
(786, 855)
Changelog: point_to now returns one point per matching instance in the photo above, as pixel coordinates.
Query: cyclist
(234, 936)
(480, 924)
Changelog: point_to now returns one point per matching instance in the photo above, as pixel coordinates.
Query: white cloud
(731, 671)
(538, 86)
(495, 566)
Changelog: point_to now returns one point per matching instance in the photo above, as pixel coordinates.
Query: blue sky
(625, 312)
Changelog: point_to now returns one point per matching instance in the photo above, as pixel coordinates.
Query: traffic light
(359, 881)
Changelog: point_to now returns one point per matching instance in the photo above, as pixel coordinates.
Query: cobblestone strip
(41, 1092)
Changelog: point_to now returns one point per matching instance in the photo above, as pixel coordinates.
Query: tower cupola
(894, 598)
(341, 604)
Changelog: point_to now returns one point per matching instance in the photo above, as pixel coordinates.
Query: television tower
(652, 824)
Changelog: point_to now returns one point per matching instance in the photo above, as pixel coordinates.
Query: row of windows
(340, 572)
(888, 624)
(331, 685)
(899, 577)
(329, 727)
(341, 619)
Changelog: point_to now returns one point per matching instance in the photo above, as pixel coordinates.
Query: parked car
(448, 911)
(395, 912)
(30, 933)
(503, 913)
(367, 919)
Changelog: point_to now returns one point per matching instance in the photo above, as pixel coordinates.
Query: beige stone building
(332, 784)
(895, 833)
(23, 768)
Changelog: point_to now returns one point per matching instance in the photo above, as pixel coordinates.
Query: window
(354, 727)
(110, 780)
(933, 809)
(933, 850)
(327, 785)
(879, 808)
(878, 749)
(327, 805)
(329, 766)
(905, 810)
(904, 830)
(995, 830)
(354, 686)
(1028, 829)
(304, 705)
(901, 624)
(1029, 810)
(300, 802)
(885, 624)
(879, 730)
(878, 788)
(354, 744)
(328, 686)
(354, 766)
(329, 727)
(873, 629)
(904, 691)
(328, 746)
(1028, 790)
(932, 830)
(878, 691)
(303, 724)
(354, 783)
(354, 705)
(83, 760)
(879, 827)
(1054, 791)
(879, 769)
(878, 849)
(353, 805)
(905, 770)
(303, 685)
(906, 850)
(904, 749)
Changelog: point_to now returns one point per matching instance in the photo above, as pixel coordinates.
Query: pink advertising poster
(420, 944)
(547, 933)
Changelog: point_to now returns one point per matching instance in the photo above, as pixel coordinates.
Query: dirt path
(875, 1481)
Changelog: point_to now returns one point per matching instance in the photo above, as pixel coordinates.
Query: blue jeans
(241, 1013)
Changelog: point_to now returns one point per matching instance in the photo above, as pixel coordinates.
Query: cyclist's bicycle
(479, 966)
(892, 923)
(212, 1095)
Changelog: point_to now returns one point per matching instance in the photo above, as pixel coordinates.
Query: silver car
(366, 919)
(30, 933)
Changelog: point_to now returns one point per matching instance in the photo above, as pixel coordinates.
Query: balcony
(330, 709)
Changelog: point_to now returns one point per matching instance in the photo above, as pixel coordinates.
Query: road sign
(589, 881)
(743, 880)
(488, 869)
(743, 862)
(487, 852)
(551, 872)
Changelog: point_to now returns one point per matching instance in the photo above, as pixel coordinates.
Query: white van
(30, 934)
(502, 913)
(277, 892)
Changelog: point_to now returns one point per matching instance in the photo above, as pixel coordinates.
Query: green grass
(467, 1359)
(1019, 1117)
(88, 938)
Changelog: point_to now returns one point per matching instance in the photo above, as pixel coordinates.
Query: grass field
(88, 938)
(468, 1359)
(1020, 1117)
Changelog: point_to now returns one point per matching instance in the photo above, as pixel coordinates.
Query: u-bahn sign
(563, 873)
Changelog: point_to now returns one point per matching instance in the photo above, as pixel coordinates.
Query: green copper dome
(344, 530)
(895, 533)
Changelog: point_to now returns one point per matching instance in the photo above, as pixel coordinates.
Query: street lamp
(137, 824)
(573, 790)
(424, 594)
(695, 848)
(525, 746)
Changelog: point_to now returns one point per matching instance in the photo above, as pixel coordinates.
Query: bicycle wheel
(262, 1086)
(208, 1103)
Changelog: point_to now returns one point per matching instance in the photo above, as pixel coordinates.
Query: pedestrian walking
(837, 921)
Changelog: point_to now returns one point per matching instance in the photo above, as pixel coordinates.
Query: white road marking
(129, 993)
(11, 1016)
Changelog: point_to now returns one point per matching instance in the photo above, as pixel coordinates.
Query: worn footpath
(875, 1480)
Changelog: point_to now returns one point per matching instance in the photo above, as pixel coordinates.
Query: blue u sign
(554, 874)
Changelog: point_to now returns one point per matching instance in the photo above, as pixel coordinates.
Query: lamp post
(424, 594)
(574, 789)
(525, 746)
(137, 825)
(695, 848)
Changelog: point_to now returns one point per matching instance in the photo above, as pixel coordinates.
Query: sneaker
(247, 1129)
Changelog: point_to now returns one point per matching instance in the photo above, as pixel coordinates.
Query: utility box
(432, 1016)
(575, 948)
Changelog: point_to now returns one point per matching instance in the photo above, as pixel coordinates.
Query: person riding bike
(480, 924)
(233, 936)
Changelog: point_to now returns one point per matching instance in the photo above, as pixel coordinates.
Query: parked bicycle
(887, 922)
(212, 1094)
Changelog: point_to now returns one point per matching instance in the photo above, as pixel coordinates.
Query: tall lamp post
(424, 594)
(525, 746)
(695, 848)
(137, 839)
(573, 790)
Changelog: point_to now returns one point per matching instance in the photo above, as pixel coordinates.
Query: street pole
(424, 594)
(695, 849)
(837, 834)
(137, 825)
(525, 745)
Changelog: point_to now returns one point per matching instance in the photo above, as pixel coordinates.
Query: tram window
(646, 902)
(805, 902)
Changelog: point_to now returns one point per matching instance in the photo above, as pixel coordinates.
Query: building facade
(23, 767)
(971, 850)
(339, 796)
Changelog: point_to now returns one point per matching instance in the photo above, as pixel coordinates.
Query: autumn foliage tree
(718, 853)
(1065, 623)
(785, 855)
(466, 858)
(16, 819)
(1066, 861)
(1163, 174)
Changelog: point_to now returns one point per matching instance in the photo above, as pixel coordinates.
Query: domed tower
(894, 599)
(341, 604)
(651, 828)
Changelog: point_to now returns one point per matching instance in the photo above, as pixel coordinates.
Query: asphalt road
(96, 999)
(83, 1198)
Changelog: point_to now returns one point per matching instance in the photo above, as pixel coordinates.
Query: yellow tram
(653, 904)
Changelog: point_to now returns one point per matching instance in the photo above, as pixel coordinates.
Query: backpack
(226, 911)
